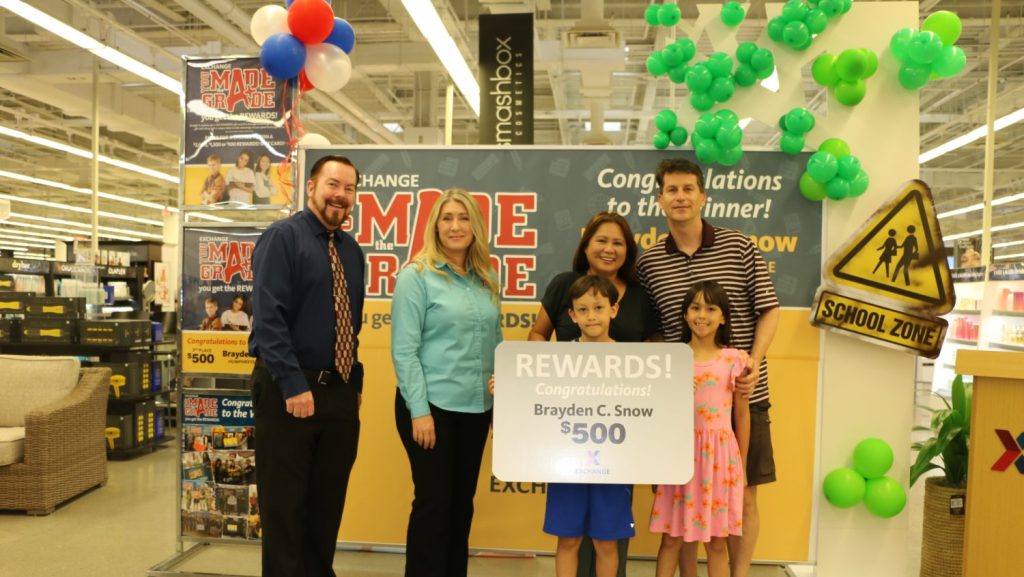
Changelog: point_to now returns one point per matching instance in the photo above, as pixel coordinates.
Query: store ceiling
(46, 88)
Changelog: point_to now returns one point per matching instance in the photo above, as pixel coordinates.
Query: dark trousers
(445, 479)
(303, 467)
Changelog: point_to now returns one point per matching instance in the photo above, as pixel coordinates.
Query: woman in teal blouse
(445, 327)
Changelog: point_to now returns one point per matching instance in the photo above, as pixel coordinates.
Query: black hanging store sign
(506, 78)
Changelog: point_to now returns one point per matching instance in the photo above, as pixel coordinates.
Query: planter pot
(942, 538)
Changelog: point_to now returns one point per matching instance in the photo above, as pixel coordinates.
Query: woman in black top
(607, 249)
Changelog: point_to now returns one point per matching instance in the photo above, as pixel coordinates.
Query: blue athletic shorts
(603, 512)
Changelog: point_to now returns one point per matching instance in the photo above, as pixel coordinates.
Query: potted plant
(942, 539)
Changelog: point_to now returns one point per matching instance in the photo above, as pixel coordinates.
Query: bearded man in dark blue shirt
(308, 292)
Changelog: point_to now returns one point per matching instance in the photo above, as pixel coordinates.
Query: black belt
(324, 377)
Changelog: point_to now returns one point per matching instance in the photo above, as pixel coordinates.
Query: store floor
(128, 526)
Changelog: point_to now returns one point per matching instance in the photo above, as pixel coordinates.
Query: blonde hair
(478, 256)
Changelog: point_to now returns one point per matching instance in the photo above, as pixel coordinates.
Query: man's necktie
(344, 344)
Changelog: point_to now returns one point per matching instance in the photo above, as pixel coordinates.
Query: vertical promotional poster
(216, 313)
(235, 137)
(218, 467)
(506, 78)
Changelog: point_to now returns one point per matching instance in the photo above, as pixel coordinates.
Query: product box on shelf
(6, 282)
(13, 303)
(121, 333)
(57, 307)
(127, 380)
(9, 330)
(124, 439)
(145, 421)
(48, 330)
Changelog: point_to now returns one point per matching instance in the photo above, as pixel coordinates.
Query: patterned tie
(344, 343)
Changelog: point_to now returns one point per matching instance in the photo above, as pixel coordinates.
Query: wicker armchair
(65, 454)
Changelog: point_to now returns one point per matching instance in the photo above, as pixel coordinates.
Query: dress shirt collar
(707, 238)
(318, 227)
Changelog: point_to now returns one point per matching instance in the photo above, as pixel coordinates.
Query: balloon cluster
(717, 138)
(673, 60)
(930, 52)
(305, 41)
(846, 74)
(795, 124)
(710, 81)
(753, 64)
(833, 172)
(732, 13)
(801, 20)
(669, 131)
(866, 481)
(662, 14)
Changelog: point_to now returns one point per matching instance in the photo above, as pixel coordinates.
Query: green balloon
(872, 457)
(900, 42)
(824, 70)
(698, 78)
(822, 166)
(782, 123)
(678, 74)
(672, 55)
(669, 15)
(707, 151)
(722, 89)
(850, 93)
(837, 188)
(763, 62)
(815, 192)
(775, 27)
(885, 497)
(678, 136)
(849, 167)
(701, 101)
(859, 184)
(732, 13)
(872, 59)
(730, 156)
(951, 61)
(796, 34)
(799, 121)
(944, 23)
(665, 120)
(651, 14)
(661, 140)
(656, 64)
(924, 47)
(816, 21)
(707, 126)
(688, 47)
(726, 117)
(843, 487)
(914, 76)
(794, 10)
(847, 5)
(744, 51)
(850, 65)
(745, 76)
(837, 147)
(719, 64)
(831, 8)
(791, 143)
(729, 136)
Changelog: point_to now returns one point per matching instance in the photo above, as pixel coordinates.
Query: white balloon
(314, 139)
(267, 21)
(327, 67)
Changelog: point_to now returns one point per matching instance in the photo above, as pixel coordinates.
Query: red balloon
(311, 21)
(304, 84)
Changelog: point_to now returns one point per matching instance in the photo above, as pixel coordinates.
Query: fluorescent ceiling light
(391, 126)
(133, 233)
(19, 241)
(425, 15)
(33, 256)
(80, 209)
(208, 216)
(62, 30)
(86, 154)
(607, 126)
(1009, 256)
(36, 235)
(964, 140)
(1006, 244)
(84, 233)
(978, 206)
(69, 188)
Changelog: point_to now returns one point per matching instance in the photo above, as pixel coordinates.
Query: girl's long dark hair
(713, 294)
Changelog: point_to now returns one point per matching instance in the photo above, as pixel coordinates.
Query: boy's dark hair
(213, 157)
(593, 283)
(680, 165)
(627, 271)
(212, 300)
(315, 171)
(713, 294)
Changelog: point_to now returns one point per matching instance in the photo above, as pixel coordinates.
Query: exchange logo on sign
(593, 412)
(1013, 452)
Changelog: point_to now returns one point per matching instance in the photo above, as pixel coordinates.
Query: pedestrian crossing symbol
(898, 254)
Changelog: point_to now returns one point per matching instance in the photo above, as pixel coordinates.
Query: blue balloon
(342, 36)
(283, 56)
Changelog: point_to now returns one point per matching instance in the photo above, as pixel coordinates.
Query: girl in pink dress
(709, 508)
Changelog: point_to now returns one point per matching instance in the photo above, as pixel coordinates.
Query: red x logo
(1012, 451)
